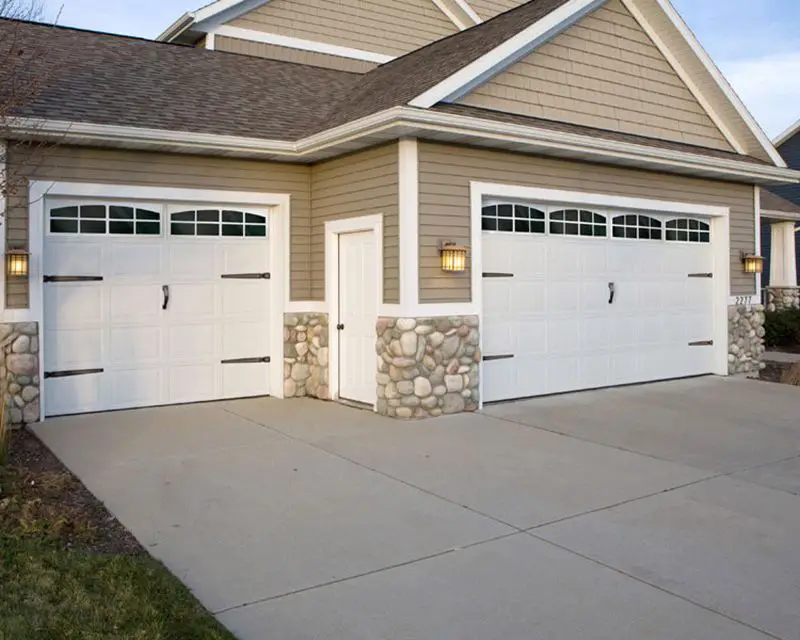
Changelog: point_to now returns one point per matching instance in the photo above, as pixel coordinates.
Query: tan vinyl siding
(603, 72)
(141, 168)
(444, 202)
(360, 184)
(391, 28)
(274, 52)
(487, 9)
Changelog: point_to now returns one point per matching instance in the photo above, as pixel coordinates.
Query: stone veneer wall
(427, 367)
(782, 298)
(20, 369)
(305, 355)
(746, 339)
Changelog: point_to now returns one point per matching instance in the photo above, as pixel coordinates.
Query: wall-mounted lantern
(17, 263)
(454, 257)
(752, 263)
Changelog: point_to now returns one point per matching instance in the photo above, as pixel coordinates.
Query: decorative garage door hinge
(260, 360)
(701, 275)
(71, 373)
(246, 276)
(492, 274)
(72, 278)
(505, 356)
(702, 343)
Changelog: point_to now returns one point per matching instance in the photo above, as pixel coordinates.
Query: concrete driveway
(662, 511)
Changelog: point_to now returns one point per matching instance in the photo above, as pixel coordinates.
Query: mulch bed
(40, 497)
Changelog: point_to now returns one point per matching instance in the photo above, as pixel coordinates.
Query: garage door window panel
(578, 222)
(688, 230)
(104, 219)
(632, 226)
(216, 223)
(513, 218)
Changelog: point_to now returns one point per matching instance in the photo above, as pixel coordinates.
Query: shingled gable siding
(392, 28)
(603, 72)
(273, 52)
(359, 184)
(487, 9)
(444, 202)
(79, 164)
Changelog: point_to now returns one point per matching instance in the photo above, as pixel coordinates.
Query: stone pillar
(783, 298)
(746, 339)
(19, 369)
(783, 258)
(427, 367)
(305, 355)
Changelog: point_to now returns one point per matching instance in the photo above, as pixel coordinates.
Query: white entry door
(148, 304)
(581, 299)
(358, 314)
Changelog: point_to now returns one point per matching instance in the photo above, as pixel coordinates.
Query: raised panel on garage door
(589, 305)
(168, 318)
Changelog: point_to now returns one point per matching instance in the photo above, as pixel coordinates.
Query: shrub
(782, 328)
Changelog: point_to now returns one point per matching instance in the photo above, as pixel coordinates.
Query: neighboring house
(780, 221)
(420, 206)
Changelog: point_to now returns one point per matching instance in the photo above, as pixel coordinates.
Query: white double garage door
(581, 298)
(149, 303)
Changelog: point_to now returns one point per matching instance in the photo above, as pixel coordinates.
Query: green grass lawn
(69, 570)
(50, 592)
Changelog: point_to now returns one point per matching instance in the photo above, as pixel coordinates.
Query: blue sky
(756, 43)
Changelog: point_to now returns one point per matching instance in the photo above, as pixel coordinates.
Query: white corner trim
(211, 41)
(683, 75)
(442, 6)
(598, 200)
(301, 44)
(721, 82)
(757, 209)
(469, 10)
(408, 219)
(333, 228)
(506, 53)
(788, 133)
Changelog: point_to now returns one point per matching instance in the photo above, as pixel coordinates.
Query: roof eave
(790, 132)
(404, 121)
(177, 28)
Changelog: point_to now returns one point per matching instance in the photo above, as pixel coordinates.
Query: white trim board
(515, 48)
(212, 14)
(466, 8)
(719, 218)
(505, 54)
(279, 205)
(411, 121)
(784, 136)
(408, 217)
(301, 44)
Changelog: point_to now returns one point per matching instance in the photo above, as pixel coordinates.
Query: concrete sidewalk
(661, 511)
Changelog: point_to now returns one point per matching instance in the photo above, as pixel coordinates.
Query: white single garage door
(150, 304)
(582, 298)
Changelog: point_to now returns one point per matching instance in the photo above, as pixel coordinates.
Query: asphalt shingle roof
(115, 80)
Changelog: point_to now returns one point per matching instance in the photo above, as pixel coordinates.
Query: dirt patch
(40, 498)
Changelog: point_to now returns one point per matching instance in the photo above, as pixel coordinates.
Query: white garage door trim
(278, 242)
(718, 216)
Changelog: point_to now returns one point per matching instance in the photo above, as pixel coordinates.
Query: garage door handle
(165, 290)
(611, 292)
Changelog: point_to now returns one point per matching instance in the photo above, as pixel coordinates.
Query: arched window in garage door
(688, 230)
(637, 227)
(218, 222)
(578, 222)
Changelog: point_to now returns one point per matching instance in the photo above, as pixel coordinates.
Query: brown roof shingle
(116, 80)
